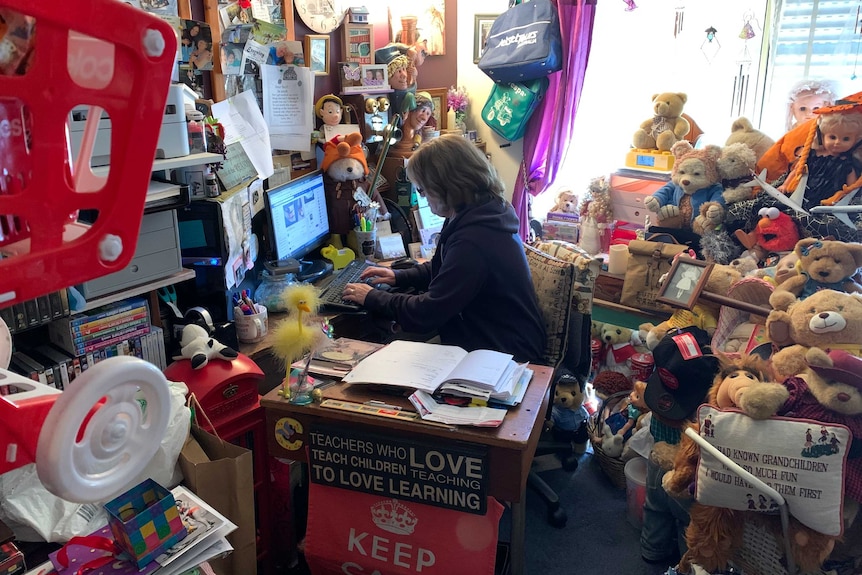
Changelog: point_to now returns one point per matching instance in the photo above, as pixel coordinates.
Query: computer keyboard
(330, 297)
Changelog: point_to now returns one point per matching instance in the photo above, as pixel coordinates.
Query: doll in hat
(830, 166)
(329, 109)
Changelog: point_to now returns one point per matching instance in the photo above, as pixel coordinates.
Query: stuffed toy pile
(812, 315)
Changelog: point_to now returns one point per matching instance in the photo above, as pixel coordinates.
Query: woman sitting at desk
(479, 292)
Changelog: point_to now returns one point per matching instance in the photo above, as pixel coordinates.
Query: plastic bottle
(211, 184)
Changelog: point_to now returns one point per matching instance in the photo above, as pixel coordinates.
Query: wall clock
(322, 16)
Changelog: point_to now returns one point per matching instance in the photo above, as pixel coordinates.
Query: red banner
(351, 533)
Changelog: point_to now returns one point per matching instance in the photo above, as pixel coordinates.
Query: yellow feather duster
(300, 332)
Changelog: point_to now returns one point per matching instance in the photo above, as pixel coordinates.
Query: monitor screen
(297, 217)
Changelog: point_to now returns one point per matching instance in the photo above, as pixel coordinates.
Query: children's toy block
(649, 160)
(145, 521)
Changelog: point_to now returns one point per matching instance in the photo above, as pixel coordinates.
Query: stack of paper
(432, 410)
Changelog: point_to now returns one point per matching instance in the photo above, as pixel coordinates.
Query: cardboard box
(568, 232)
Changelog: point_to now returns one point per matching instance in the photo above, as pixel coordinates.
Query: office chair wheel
(557, 517)
(569, 461)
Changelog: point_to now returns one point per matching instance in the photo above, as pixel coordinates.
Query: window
(636, 54)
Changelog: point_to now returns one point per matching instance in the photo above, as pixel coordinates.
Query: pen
(375, 403)
(362, 224)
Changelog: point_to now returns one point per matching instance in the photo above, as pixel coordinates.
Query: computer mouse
(403, 263)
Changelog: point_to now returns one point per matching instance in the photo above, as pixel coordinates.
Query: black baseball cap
(684, 371)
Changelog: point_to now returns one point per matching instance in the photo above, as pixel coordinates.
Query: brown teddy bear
(827, 319)
(741, 131)
(666, 127)
(695, 182)
(823, 264)
(567, 202)
(569, 418)
(735, 165)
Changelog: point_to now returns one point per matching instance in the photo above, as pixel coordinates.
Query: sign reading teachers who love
(450, 475)
(801, 459)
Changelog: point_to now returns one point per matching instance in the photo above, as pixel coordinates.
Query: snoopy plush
(198, 347)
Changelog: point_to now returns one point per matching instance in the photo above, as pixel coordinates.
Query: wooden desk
(510, 447)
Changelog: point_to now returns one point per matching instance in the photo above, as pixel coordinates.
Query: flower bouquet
(457, 101)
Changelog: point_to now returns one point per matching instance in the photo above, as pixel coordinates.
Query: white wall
(506, 159)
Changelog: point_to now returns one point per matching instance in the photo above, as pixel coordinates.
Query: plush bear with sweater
(666, 127)
(695, 182)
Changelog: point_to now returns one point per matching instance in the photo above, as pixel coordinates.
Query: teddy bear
(666, 127)
(345, 170)
(742, 132)
(827, 319)
(823, 264)
(620, 343)
(714, 533)
(567, 202)
(197, 346)
(735, 166)
(569, 418)
(829, 389)
(775, 232)
(694, 182)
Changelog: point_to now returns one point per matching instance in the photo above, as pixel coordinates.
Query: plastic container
(635, 471)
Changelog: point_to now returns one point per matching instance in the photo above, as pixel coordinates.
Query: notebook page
(483, 368)
(408, 364)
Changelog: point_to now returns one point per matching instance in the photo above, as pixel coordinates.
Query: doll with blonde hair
(804, 98)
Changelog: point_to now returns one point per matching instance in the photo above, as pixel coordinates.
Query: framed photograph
(481, 28)
(317, 51)
(440, 98)
(684, 282)
(375, 76)
(358, 43)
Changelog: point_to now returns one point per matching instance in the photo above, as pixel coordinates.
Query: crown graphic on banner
(392, 516)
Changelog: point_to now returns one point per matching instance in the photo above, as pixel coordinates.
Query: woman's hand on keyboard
(378, 275)
(356, 292)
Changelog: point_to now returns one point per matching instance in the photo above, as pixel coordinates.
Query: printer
(173, 137)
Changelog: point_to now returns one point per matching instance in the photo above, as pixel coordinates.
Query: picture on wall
(439, 97)
(358, 43)
(317, 49)
(481, 29)
(419, 21)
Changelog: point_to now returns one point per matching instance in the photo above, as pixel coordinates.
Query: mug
(251, 328)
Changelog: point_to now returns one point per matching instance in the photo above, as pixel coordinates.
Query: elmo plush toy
(775, 232)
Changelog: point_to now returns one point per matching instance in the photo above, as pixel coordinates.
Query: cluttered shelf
(608, 292)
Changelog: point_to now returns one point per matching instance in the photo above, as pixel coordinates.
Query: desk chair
(563, 278)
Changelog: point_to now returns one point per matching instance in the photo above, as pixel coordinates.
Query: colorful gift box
(145, 521)
(11, 559)
(95, 554)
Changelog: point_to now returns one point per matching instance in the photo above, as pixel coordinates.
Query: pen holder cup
(366, 242)
(253, 327)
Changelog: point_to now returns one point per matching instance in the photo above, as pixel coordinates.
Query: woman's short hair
(455, 170)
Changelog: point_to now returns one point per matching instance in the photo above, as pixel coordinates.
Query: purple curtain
(550, 129)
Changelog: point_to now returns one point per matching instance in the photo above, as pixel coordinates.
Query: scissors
(168, 295)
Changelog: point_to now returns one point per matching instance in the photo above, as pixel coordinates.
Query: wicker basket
(613, 467)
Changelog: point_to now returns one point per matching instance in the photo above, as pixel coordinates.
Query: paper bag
(648, 261)
(221, 474)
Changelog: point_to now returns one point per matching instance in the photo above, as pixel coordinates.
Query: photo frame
(318, 51)
(481, 28)
(375, 76)
(440, 98)
(684, 282)
(358, 43)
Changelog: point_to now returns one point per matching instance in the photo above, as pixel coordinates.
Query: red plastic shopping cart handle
(122, 64)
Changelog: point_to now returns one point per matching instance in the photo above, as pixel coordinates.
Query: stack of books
(39, 311)
(106, 327)
(338, 357)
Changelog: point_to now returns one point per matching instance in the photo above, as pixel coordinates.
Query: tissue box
(145, 521)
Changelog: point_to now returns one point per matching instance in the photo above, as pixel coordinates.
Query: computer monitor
(298, 224)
